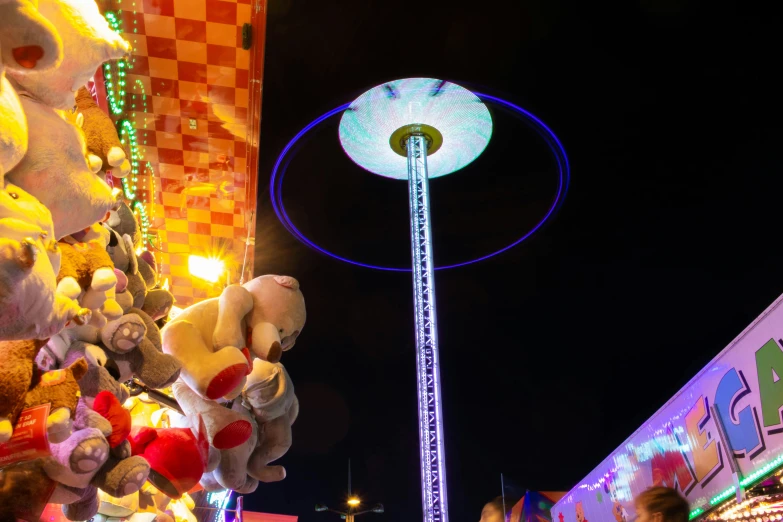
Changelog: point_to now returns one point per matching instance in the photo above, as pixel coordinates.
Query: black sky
(669, 242)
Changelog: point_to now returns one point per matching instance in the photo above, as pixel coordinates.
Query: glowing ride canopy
(461, 118)
(552, 141)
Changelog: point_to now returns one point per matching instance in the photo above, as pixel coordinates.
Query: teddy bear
(215, 339)
(98, 453)
(27, 42)
(30, 258)
(56, 172)
(87, 42)
(141, 268)
(23, 385)
(123, 335)
(242, 468)
(269, 406)
(270, 396)
(111, 324)
(88, 270)
(103, 143)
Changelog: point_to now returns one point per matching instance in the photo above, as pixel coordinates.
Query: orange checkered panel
(188, 95)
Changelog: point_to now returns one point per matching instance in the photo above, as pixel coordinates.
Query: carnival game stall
(719, 441)
(140, 353)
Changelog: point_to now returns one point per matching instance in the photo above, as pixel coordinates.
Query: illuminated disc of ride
(371, 128)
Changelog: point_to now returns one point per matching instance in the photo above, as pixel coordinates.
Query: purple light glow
(278, 173)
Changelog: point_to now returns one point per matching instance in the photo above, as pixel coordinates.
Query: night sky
(668, 243)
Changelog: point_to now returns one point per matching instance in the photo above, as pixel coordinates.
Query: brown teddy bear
(23, 385)
(103, 143)
(87, 273)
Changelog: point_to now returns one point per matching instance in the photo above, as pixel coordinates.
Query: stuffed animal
(269, 394)
(88, 272)
(27, 42)
(55, 171)
(231, 471)
(270, 402)
(141, 269)
(177, 456)
(29, 261)
(22, 385)
(103, 143)
(87, 42)
(242, 468)
(263, 317)
(225, 428)
(98, 453)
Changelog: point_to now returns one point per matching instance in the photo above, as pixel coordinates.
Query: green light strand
(717, 499)
(764, 470)
(115, 80)
(128, 135)
(695, 513)
(749, 480)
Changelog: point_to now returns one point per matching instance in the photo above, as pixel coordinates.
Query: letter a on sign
(769, 365)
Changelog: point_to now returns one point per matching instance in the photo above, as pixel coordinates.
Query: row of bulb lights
(755, 517)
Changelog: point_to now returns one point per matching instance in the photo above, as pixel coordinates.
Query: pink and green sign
(722, 431)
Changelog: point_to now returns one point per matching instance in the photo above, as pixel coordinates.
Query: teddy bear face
(87, 41)
(278, 300)
(22, 216)
(55, 171)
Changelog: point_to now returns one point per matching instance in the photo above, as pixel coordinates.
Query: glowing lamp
(353, 501)
(207, 268)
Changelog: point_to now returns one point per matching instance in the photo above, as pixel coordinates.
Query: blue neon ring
(276, 185)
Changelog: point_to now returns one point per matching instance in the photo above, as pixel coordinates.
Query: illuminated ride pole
(415, 119)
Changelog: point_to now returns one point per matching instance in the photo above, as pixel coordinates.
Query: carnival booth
(719, 441)
(140, 353)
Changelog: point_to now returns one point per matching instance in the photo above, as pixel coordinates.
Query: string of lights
(115, 82)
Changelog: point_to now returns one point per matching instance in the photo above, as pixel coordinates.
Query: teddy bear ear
(287, 282)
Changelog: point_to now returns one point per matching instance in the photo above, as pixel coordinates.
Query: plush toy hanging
(28, 42)
(30, 259)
